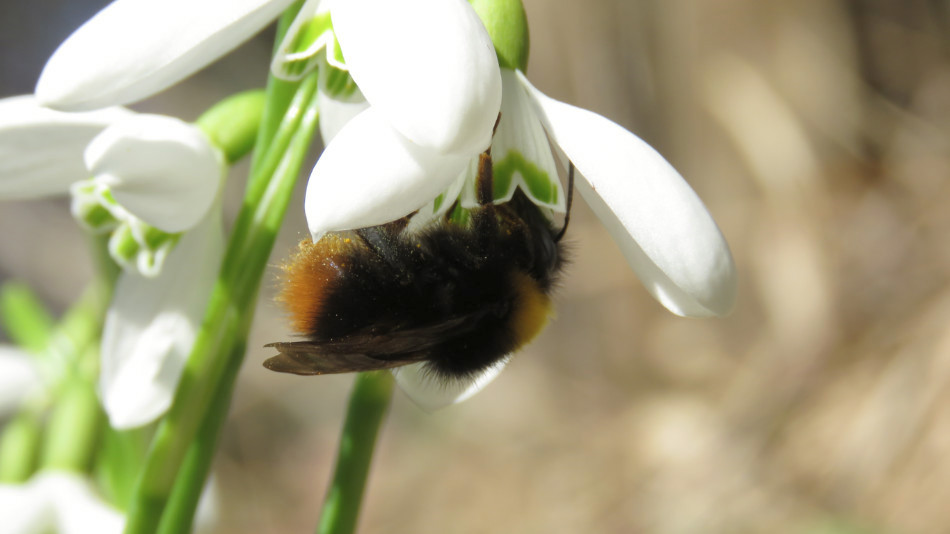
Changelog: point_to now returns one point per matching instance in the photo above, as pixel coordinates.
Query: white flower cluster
(433, 90)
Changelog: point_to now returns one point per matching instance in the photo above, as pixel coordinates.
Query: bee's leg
(570, 200)
(484, 218)
(485, 181)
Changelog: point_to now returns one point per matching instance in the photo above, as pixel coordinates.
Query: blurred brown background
(817, 134)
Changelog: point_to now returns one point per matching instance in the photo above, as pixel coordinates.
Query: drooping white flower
(148, 168)
(56, 501)
(661, 226)
(429, 75)
(666, 234)
(152, 324)
(438, 50)
(161, 170)
(428, 66)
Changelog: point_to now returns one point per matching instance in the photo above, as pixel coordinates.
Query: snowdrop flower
(666, 234)
(152, 324)
(152, 177)
(429, 75)
(133, 49)
(427, 67)
(56, 501)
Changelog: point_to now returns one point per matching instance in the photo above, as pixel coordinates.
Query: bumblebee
(459, 297)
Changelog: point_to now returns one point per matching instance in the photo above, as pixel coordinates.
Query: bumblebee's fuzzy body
(460, 297)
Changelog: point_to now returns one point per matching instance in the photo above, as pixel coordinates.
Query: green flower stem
(19, 444)
(73, 428)
(213, 363)
(368, 404)
(181, 506)
(24, 317)
(218, 351)
(121, 457)
(180, 511)
(279, 95)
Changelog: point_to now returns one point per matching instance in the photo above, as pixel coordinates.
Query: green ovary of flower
(507, 24)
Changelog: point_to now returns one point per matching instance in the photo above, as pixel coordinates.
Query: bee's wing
(365, 351)
(309, 358)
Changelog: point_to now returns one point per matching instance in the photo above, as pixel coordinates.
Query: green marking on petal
(155, 238)
(98, 219)
(123, 247)
(139, 247)
(335, 54)
(304, 49)
(537, 184)
(88, 207)
(337, 83)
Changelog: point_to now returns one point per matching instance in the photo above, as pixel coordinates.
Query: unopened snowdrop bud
(161, 169)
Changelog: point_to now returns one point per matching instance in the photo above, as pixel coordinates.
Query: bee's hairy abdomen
(489, 282)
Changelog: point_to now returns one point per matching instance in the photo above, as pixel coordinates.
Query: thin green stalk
(214, 360)
(24, 317)
(180, 511)
(19, 443)
(73, 428)
(181, 507)
(364, 415)
(280, 93)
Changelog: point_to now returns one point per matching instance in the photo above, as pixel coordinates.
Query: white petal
(41, 149)
(371, 175)
(520, 149)
(19, 378)
(133, 49)
(77, 507)
(152, 324)
(662, 227)
(291, 64)
(430, 393)
(162, 170)
(335, 114)
(56, 501)
(25, 509)
(428, 64)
